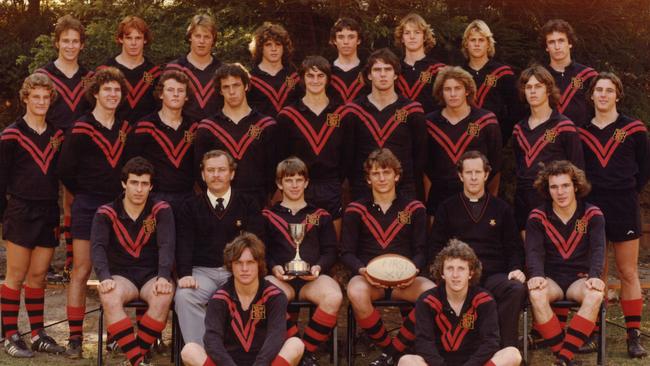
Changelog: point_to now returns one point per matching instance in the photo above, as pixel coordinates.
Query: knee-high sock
(292, 326)
(406, 334)
(552, 332)
(149, 329)
(279, 361)
(579, 330)
(562, 314)
(35, 305)
(374, 327)
(632, 311)
(76, 321)
(318, 329)
(9, 307)
(124, 335)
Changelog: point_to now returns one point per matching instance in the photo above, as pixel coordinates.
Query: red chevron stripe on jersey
(531, 153)
(175, 153)
(317, 140)
(283, 226)
(146, 81)
(414, 91)
(70, 97)
(452, 337)
(348, 92)
(245, 332)
(277, 97)
(42, 158)
(133, 247)
(236, 148)
(381, 134)
(565, 246)
(455, 150)
(383, 237)
(570, 91)
(490, 82)
(201, 92)
(113, 151)
(604, 153)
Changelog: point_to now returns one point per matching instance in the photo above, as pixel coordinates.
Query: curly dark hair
(560, 167)
(457, 249)
(102, 76)
(271, 32)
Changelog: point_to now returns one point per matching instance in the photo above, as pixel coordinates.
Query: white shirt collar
(226, 198)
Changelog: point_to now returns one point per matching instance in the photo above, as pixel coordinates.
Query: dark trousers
(510, 296)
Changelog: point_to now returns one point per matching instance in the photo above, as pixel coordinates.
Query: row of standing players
(378, 117)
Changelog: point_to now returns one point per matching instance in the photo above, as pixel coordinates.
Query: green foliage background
(613, 35)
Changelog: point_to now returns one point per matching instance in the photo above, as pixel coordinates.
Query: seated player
(89, 167)
(384, 223)
(565, 254)
(487, 224)
(456, 128)
(29, 192)
(318, 248)
(249, 136)
(456, 322)
(619, 170)
(133, 241)
(273, 81)
(206, 222)
(245, 322)
(347, 75)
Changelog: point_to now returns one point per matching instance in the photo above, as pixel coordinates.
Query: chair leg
(602, 337)
(351, 332)
(172, 356)
(178, 341)
(525, 338)
(334, 357)
(100, 337)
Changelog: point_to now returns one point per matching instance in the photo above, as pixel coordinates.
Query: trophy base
(297, 268)
(297, 273)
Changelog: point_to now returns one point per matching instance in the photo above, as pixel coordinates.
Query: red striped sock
(579, 330)
(318, 329)
(632, 311)
(122, 331)
(562, 314)
(552, 332)
(209, 362)
(76, 321)
(406, 334)
(279, 361)
(292, 327)
(35, 305)
(490, 363)
(375, 329)
(149, 329)
(9, 307)
(139, 313)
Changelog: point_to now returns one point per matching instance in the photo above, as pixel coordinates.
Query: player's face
(272, 51)
(562, 190)
(245, 269)
(454, 93)
(346, 42)
(174, 94)
(137, 188)
(604, 95)
(133, 42)
(109, 95)
(315, 81)
(456, 274)
(382, 76)
(69, 45)
(201, 41)
(217, 175)
(413, 37)
(477, 45)
(382, 180)
(293, 187)
(558, 46)
(233, 91)
(38, 101)
(536, 92)
(473, 177)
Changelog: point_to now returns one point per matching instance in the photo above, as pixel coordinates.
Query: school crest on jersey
(333, 120)
(148, 77)
(122, 136)
(291, 82)
(258, 311)
(491, 80)
(493, 222)
(312, 219)
(550, 136)
(473, 129)
(577, 82)
(188, 136)
(581, 226)
(401, 115)
(467, 321)
(55, 142)
(425, 77)
(619, 135)
(254, 131)
(360, 78)
(404, 217)
(149, 225)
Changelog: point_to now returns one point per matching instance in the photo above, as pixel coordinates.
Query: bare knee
(15, 276)
(193, 354)
(629, 273)
(538, 297)
(592, 299)
(160, 304)
(112, 301)
(80, 273)
(508, 356)
(332, 301)
(358, 292)
(292, 350)
(410, 360)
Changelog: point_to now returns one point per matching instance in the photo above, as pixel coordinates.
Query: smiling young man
(200, 65)
(140, 74)
(347, 70)
(206, 222)
(415, 37)
(487, 224)
(89, 167)
(546, 135)
(245, 322)
(565, 256)
(246, 134)
(456, 322)
(572, 79)
(496, 83)
(274, 84)
(384, 119)
(133, 241)
(318, 248)
(456, 128)
(617, 160)
(385, 222)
